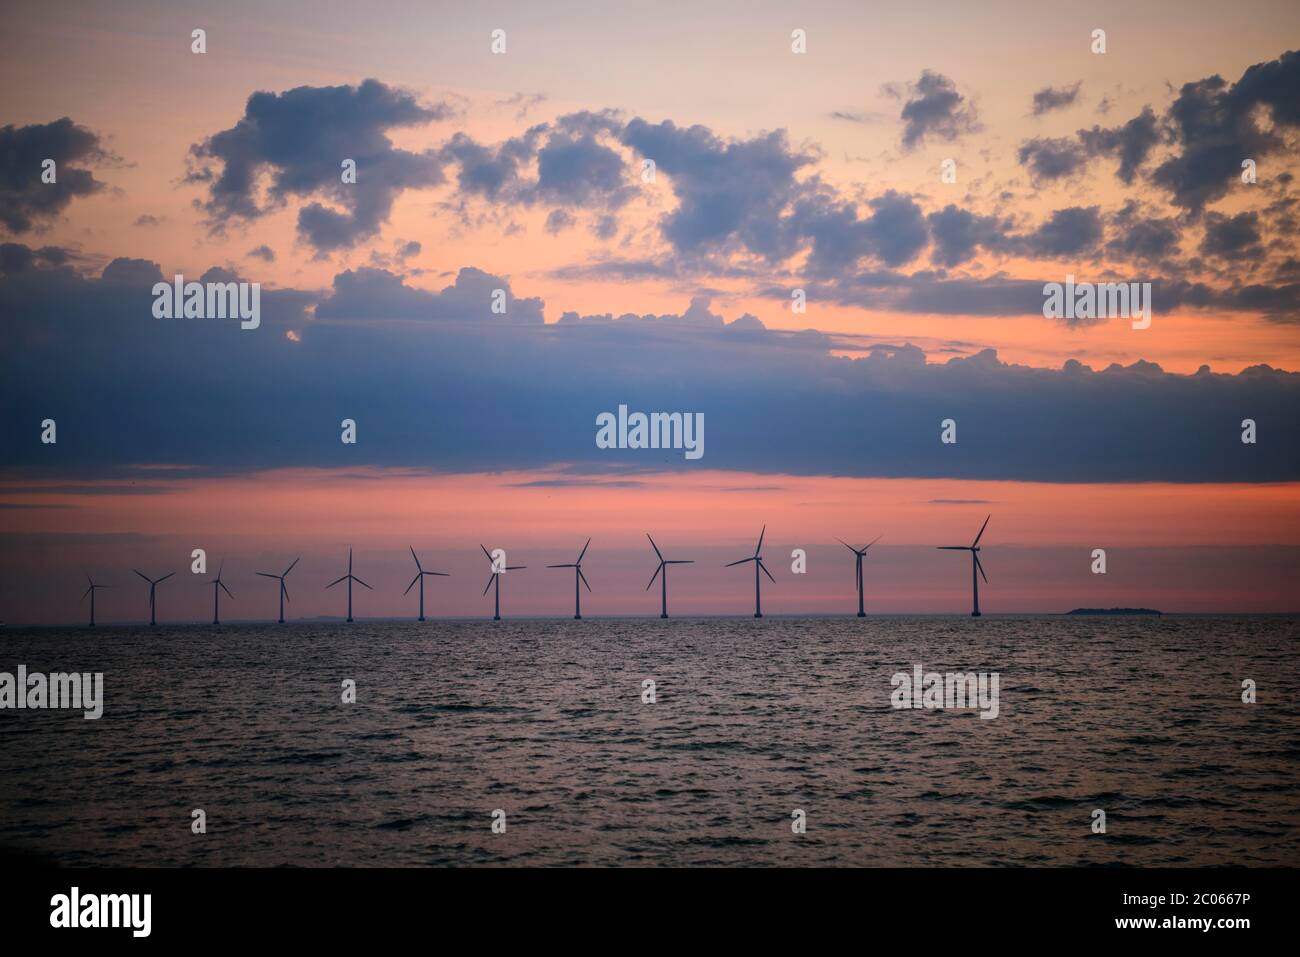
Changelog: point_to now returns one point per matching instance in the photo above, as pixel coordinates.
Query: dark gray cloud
(481, 396)
(1067, 232)
(1129, 142)
(1049, 158)
(730, 194)
(1232, 237)
(263, 252)
(958, 233)
(379, 294)
(934, 108)
(301, 138)
(25, 201)
(1135, 234)
(1055, 98)
(1215, 125)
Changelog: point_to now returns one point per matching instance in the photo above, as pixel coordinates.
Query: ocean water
(544, 720)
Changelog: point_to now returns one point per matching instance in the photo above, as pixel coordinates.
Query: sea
(758, 743)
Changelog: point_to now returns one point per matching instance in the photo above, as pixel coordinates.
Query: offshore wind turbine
(218, 586)
(91, 592)
(578, 575)
(974, 549)
(420, 574)
(663, 567)
(757, 559)
(349, 578)
(153, 585)
(284, 592)
(494, 577)
(861, 553)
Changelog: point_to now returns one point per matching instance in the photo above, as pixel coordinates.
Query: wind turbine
(284, 592)
(153, 585)
(974, 549)
(861, 553)
(91, 592)
(577, 569)
(419, 577)
(495, 576)
(663, 567)
(218, 586)
(757, 559)
(349, 578)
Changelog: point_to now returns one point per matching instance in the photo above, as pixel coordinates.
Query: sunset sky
(775, 171)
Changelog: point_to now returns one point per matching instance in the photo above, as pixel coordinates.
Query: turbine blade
(225, 589)
(489, 584)
(439, 574)
(982, 527)
(336, 581)
(266, 575)
(349, 559)
(873, 541)
(681, 561)
(486, 553)
(295, 562)
(741, 562)
(285, 591)
(511, 568)
(143, 575)
(584, 578)
(847, 545)
(981, 568)
(164, 578)
(360, 582)
(412, 585)
(658, 569)
(562, 566)
(766, 572)
(654, 546)
(87, 592)
(759, 547)
(413, 555)
(584, 551)
(954, 548)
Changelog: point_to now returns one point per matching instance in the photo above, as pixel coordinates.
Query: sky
(838, 251)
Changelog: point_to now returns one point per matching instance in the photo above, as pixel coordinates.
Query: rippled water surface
(1142, 718)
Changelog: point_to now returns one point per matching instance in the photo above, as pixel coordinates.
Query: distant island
(1113, 611)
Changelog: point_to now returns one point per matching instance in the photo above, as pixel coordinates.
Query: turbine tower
(420, 574)
(218, 586)
(974, 549)
(152, 586)
(91, 592)
(284, 592)
(577, 576)
(757, 559)
(861, 553)
(663, 567)
(349, 578)
(494, 577)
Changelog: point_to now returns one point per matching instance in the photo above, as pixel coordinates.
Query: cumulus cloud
(934, 108)
(1215, 125)
(26, 201)
(300, 138)
(369, 293)
(1055, 98)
